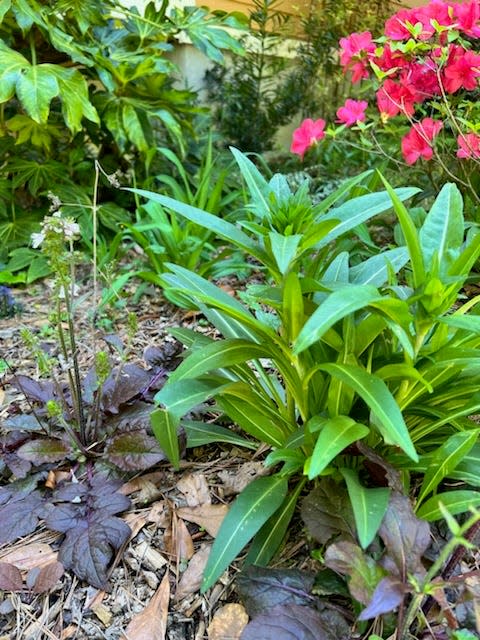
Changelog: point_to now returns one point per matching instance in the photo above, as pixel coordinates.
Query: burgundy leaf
(45, 450)
(260, 589)
(19, 515)
(114, 341)
(134, 451)
(88, 549)
(121, 387)
(26, 421)
(133, 417)
(46, 577)
(10, 577)
(17, 466)
(38, 391)
(350, 560)
(293, 622)
(406, 538)
(387, 596)
(327, 512)
(166, 357)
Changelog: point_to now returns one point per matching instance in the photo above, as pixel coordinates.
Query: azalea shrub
(423, 78)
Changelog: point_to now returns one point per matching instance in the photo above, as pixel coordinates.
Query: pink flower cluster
(417, 61)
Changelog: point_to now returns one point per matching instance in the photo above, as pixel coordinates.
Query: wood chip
(149, 556)
(228, 623)
(103, 613)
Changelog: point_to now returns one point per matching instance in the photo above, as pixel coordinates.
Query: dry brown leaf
(183, 541)
(136, 522)
(194, 487)
(103, 613)
(46, 577)
(157, 515)
(10, 577)
(29, 556)
(192, 577)
(69, 632)
(137, 484)
(228, 623)
(235, 481)
(208, 516)
(151, 623)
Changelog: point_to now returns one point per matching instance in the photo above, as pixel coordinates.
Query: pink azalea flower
(390, 59)
(423, 78)
(469, 145)
(462, 70)
(394, 98)
(467, 16)
(353, 111)
(417, 143)
(353, 48)
(398, 26)
(307, 134)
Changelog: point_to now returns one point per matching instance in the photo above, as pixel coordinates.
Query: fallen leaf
(2, 396)
(183, 541)
(194, 487)
(103, 613)
(193, 574)
(208, 516)
(47, 577)
(137, 484)
(157, 515)
(29, 556)
(228, 623)
(151, 623)
(235, 481)
(136, 522)
(10, 577)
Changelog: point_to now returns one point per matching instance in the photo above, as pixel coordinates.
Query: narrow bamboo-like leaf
(284, 249)
(338, 194)
(165, 426)
(270, 536)
(246, 516)
(410, 234)
(335, 434)
(358, 210)
(375, 393)
(442, 232)
(336, 306)
(200, 433)
(467, 469)
(445, 459)
(222, 353)
(466, 322)
(292, 306)
(179, 397)
(375, 270)
(222, 228)
(337, 270)
(369, 506)
(455, 501)
(256, 183)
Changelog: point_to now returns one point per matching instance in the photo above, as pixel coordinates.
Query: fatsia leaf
(335, 435)
(296, 622)
(387, 596)
(252, 508)
(350, 560)
(260, 588)
(454, 501)
(445, 459)
(369, 506)
(336, 306)
(133, 451)
(406, 538)
(327, 511)
(375, 393)
(36, 88)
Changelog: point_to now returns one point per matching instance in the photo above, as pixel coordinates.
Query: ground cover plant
(341, 366)
(423, 71)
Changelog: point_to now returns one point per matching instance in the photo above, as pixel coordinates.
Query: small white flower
(37, 239)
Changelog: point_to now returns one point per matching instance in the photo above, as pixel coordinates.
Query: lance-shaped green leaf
(454, 501)
(375, 393)
(181, 396)
(201, 433)
(336, 306)
(357, 210)
(369, 506)
(335, 434)
(256, 183)
(375, 270)
(445, 459)
(222, 353)
(442, 232)
(165, 428)
(284, 249)
(246, 516)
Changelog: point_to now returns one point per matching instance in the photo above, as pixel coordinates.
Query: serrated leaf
(252, 508)
(74, 97)
(133, 451)
(335, 435)
(455, 502)
(36, 87)
(296, 622)
(19, 515)
(369, 506)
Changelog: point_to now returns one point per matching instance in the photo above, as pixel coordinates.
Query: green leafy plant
(81, 82)
(331, 353)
